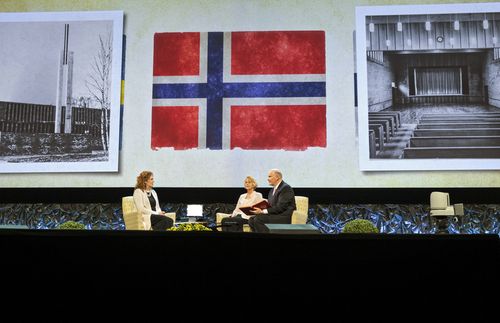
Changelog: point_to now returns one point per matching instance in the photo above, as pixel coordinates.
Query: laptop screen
(195, 210)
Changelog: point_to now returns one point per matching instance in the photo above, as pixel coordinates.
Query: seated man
(282, 204)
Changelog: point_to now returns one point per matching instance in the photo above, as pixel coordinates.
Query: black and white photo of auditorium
(432, 85)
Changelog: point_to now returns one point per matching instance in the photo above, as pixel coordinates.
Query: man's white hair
(277, 172)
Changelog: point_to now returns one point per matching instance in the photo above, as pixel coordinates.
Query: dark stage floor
(254, 262)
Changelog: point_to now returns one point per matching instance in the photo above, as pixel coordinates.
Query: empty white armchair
(440, 204)
(442, 211)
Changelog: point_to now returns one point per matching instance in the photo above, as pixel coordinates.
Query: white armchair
(299, 216)
(133, 218)
(442, 211)
(218, 220)
(440, 204)
(219, 216)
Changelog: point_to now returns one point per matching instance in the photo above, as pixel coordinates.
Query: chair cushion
(449, 211)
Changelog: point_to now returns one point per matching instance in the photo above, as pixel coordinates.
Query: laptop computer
(194, 211)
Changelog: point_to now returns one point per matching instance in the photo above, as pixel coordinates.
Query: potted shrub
(71, 225)
(359, 226)
(189, 227)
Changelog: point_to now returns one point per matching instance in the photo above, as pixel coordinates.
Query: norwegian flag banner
(257, 90)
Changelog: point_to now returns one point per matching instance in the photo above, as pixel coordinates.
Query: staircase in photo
(460, 135)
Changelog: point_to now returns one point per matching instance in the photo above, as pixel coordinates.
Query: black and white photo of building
(60, 91)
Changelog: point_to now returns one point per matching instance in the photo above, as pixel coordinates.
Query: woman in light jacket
(237, 219)
(146, 202)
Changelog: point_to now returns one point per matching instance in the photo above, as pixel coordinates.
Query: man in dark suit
(282, 203)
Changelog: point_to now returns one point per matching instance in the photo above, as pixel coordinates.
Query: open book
(262, 204)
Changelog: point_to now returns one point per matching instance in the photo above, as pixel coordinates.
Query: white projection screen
(213, 93)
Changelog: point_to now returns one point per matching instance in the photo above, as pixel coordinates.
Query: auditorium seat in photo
(133, 218)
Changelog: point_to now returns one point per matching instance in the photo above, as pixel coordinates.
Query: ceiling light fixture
(494, 39)
(408, 40)
(456, 24)
(400, 24)
(371, 25)
(387, 40)
(452, 41)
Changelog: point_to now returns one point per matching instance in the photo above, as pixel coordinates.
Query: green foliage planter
(71, 225)
(360, 226)
(189, 227)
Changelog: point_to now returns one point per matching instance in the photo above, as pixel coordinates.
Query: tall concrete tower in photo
(64, 86)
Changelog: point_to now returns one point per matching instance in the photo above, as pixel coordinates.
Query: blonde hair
(142, 179)
(252, 180)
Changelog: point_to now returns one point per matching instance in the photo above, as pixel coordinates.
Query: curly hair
(142, 179)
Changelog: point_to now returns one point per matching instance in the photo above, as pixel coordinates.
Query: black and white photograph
(60, 91)
(428, 87)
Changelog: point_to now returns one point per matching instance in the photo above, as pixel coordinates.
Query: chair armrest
(133, 220)
(171, 215)
(219, 216)
(299, 217)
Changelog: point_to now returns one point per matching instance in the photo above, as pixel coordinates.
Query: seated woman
(238, 218)
(146, 202)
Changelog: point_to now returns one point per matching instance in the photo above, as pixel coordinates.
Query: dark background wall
(393, 210)
(229, 195)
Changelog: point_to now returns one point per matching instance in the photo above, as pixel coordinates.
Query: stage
(287, 262)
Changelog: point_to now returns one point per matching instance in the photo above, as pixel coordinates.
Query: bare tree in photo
(99, 83)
